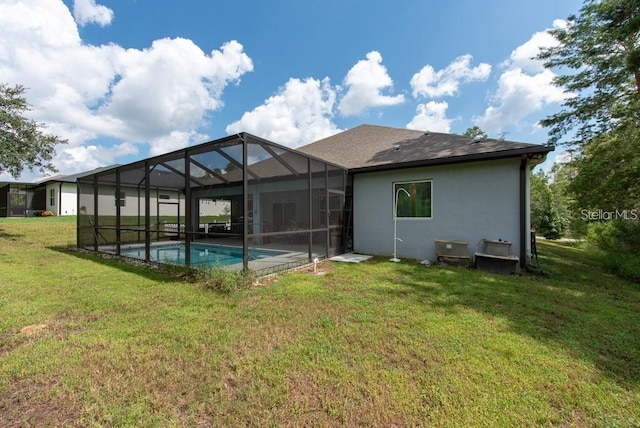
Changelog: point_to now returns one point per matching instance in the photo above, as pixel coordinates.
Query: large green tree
(546, 208)
(598, 56)
(22, 141)
(607, 173)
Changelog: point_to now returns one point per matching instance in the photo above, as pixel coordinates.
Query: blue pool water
(202, 255)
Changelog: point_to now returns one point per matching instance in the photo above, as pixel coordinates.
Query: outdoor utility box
(452, 248)
(497, 248)
(452, 252)
(497, 264)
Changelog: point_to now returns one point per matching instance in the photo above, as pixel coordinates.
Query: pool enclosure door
(335, 218)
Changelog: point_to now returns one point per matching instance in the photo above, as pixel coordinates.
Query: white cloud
(519, 94)
(174, 141)
(302, 111)
(170, 86)
(431, 116)
(523, 56)
(365, 82)
(299, 113)
(446, 82)
(524, 87)
(87, 157)
(38, 21)
(89, 93)
(88, 12)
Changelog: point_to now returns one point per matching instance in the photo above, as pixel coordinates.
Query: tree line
(595, 194)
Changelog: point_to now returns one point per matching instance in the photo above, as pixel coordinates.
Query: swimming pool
(202, 255)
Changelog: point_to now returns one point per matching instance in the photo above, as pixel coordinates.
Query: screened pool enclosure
(239, 202)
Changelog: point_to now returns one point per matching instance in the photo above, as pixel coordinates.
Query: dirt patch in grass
(59, 328)
(28, 403)
(321, 268)
(12, 340)
(33, 330)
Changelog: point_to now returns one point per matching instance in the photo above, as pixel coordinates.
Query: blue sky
(126, 79)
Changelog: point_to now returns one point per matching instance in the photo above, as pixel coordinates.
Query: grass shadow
(138, 267)
(4, 234)
(594, 315)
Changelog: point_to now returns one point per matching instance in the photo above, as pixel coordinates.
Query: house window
(121, 199)
(413, 199)
(52, 197)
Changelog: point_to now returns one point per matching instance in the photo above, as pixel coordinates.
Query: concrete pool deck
(350, 258)
(271, 263)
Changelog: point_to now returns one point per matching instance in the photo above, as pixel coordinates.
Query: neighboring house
(448, 187)
(58, 194)
(61, 195)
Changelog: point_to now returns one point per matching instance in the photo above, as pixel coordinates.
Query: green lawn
(86, 341)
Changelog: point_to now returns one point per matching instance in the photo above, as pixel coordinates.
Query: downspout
(524, 161)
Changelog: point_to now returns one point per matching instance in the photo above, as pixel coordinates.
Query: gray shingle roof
(371, 147)
(74, 177)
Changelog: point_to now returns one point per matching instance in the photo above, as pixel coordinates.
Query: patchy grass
(88, 341)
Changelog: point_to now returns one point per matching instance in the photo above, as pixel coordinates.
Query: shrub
(224, 280)
(619, 243)
(615, 235)
(551, 225)
(625, 265)
(217, 278)
(578, 228)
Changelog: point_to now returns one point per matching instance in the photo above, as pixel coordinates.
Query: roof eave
(505, 154)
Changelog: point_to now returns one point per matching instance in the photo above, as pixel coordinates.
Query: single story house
(57, 194)
(455, 188)
(371, 189)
